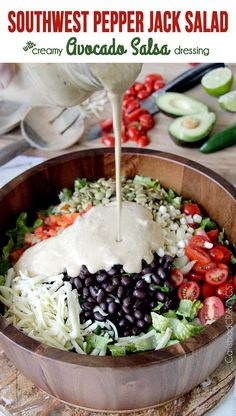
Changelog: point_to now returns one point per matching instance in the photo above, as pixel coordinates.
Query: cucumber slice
(228, 101)
(218, 81)
(189, 130)
(175, 104)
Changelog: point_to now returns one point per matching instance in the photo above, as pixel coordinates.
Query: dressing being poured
(96, 239)
(91, 240)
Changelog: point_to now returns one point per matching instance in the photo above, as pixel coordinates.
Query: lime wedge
(218, 81)
(228, 101)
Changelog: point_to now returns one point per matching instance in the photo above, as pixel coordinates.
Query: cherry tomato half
(202, 269)
(158, 84)
(146, 121)
(198, 241)
(213, 235)
(216, 254)
(149, 86)
(134, 116)
(176, 277)
(143, 141)
(138, 86)
(225, 291)
(142, 95)
(226, 253)
(207, 290)
(189, 290)
(153, 77)
(106, 125)
(216, 276)
(197, 254)
(108, 141)
(212, 309)
(191, 209)
(194, 276)
(133, 133)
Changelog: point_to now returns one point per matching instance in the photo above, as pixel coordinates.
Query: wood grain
(114, 382)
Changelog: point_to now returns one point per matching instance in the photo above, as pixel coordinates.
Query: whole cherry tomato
(133, 133)
(191, 209)
(207, 290)
(146, 121)
(225, 291)
(108, 141)
(143, 141)
(142, 95)
(158, 85)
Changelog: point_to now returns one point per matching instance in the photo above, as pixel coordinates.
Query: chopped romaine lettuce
(170, 196)
(80, 183)
(159, 322)
(189, 309)
(164, 339)
(207, 224)
(170, 314)
(18, 233)
(2, 280)
(144, 180)
(65, 195)
(158, 307)
(5, 262)
(98, 343)
(117, 350)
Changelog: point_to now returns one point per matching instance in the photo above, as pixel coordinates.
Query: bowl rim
(179, 350)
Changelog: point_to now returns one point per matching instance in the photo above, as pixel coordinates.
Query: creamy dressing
(91, 240)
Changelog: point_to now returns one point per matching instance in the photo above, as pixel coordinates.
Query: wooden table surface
(15, 391)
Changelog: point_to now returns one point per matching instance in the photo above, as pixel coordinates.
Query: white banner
(118, 31)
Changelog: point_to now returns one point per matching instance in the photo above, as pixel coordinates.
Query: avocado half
(175, 104)
(191, 130)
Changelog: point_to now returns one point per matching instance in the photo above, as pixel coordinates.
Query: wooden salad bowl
(140, 380)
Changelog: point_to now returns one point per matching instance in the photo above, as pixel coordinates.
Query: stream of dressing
(96, 239)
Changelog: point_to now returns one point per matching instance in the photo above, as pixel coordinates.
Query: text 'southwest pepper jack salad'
(188, 284)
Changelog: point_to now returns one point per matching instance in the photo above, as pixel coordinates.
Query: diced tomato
(153, 77)
(138, 86)
(197, 254)
(133, 133)
(142, 95)
(212, 309)
(158, 84)
(176, 277)
(198, 241)
(191, 209)
(225, 251)
(134, 116)
(207, 290)
(225, 291)
(213, 235)
(235, 282)
(202, 269)
(143, 141)
(16, 254)
(216, 276)
(149, 86)
(216, 254)
(194, 276)
(132, 106)
(106, 125)
(130, 93)
(189, 290)
(108, 140)
(146, 121)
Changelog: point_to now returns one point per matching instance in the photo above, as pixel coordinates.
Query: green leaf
(65, 195)
(189, 309)
(97, 342)
(80, 183)
(161, 288)
(233, 259)
(158, 307)
(37, 223)
(207, 224)
(144, 180)
(2, 280)
(170, 196)
(177, 202)
(221, 237)
(5, 261)
(170, 314)
(117, 350)
(18, 233)
(159, 322)
(47, 212)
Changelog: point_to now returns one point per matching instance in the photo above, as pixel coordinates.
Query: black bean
(100, 295)
(138, 314)
(93, 291)
(127, 301)
(147, 270)
(78, 284)
(99, 317)
(160, 296)
(113, 271)
(126, 333)
(103, 306)
(91, 300)
(83, 272)
(121, 292)
(130, 318)
(110, 288)
(86, 292)
(120, 313)
(72, 280)
(105, 285)
(109, 299)
(169, 259)
(88, 314)
(168, 285)
(137, 304)
(167, 267)
(135, 331)
(125, 281)
(86, 306)
(156, 279)
(152, 304)
(112, 308)
(101, 276)
(161, 273)
(155, 263)
(161, 261)
(115, 281)
(138, 293)
(147, 318)
(152, 287)
(126, 309)
(88, 281)
(141, 324)
(141, 284)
